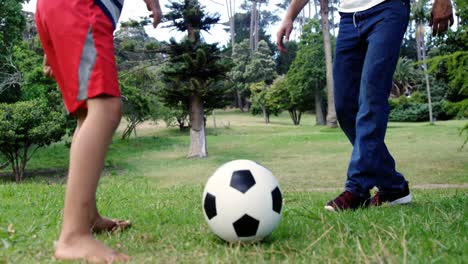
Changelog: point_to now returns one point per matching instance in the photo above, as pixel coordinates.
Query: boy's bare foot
(88, 249)
(102, 224)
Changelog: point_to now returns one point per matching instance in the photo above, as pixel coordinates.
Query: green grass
(149, 180)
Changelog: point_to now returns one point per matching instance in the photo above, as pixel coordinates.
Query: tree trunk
(319, 113)
(253, 18)
(233, 32)
(295, 116)
(16, 167)
(419, 40)
(24, 161)
(331, 114)
(197, 129)
(265, 115)
(422, 56)
(231, 12)
(428, 85)
(214, 119)
(257, 26)
(239, 100)
(332, 18)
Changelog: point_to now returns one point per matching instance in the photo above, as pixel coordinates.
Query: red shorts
(78, 41)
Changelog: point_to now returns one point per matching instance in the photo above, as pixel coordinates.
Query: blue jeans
(367, 51)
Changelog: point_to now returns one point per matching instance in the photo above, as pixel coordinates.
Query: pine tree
(195, 69)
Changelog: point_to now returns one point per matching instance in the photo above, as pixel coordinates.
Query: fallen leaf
(10, 229)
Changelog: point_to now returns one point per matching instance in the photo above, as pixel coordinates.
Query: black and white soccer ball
(242, 201)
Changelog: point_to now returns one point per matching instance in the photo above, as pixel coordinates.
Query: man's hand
(441, 16)
(287, 26)
(47, 69)
(283, 33)
(155, 9)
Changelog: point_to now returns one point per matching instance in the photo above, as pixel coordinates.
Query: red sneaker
(345, 201)
(402, 196)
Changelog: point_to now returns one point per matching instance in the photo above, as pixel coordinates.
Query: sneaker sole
(404, 200)
(329, 208)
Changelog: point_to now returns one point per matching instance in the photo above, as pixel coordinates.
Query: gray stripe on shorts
(87, 61)
(113, 10)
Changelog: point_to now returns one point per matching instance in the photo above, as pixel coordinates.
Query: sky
(134, 9)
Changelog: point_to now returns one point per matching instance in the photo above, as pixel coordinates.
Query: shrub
(457, 110)
(25, 127)
(406, 110)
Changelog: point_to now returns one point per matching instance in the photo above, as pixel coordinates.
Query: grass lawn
(149, 180)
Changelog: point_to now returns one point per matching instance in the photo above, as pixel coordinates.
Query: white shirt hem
(359, 9)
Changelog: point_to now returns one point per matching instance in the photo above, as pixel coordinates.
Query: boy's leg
(87, 156)
(98, 222)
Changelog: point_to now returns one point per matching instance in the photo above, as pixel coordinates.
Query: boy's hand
(155, 9)
(441, 17)
(47, 69)
(284, 32)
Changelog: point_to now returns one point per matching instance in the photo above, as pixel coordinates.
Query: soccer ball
(242, 201)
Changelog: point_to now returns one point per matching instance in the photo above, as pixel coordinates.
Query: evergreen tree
(307, 76)
(261, 72)
(195, 69)
(240, 59)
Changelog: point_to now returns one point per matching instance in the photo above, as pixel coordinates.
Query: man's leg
(347, 69)
(371, 163)
(87, 156)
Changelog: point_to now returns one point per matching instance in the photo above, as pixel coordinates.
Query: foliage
(240, 60)
(35, 84)
(242, 26)
(175, 116)
(133, 46)
(414, 109)
(461, 9)
(194, 75)
(25, 127)
(188, 15)
(262, 101)
(284, 60)
(307, 74)
(406, 79)
(262, 67)
(12, 24)
(457, 72)
(195, 69)
(458, 109)
(286, 98)
(139, 93)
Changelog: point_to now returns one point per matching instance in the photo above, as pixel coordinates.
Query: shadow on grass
(52, 174)
(395, 126)
(269, 240)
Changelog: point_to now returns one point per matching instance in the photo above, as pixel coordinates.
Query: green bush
(25, 127)
(457, 110)
(406, 110)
